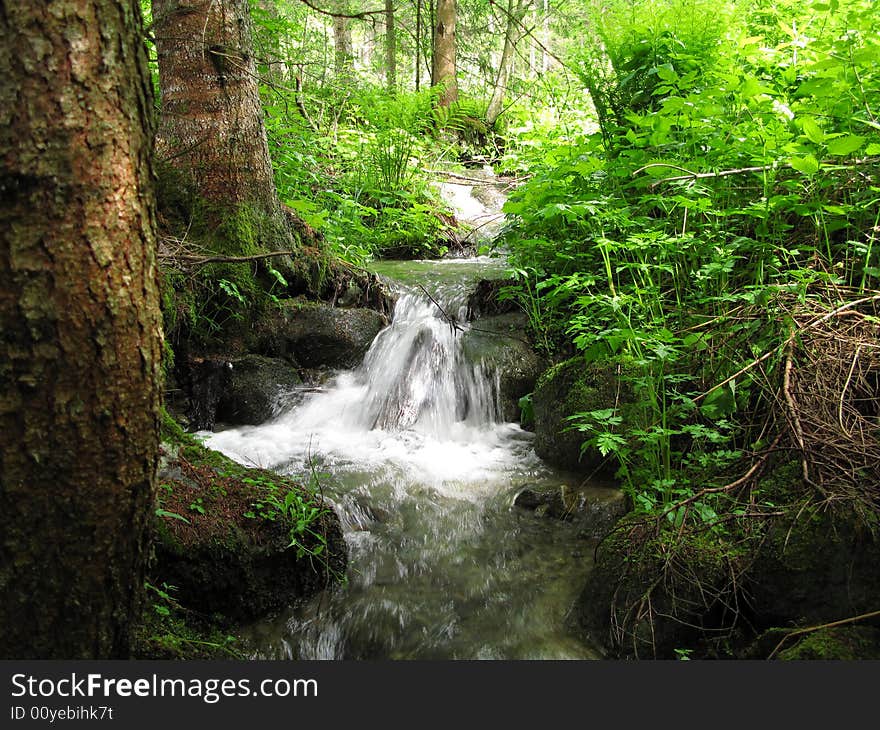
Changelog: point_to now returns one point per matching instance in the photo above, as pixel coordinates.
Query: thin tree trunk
(444, 71)
(418, 53)
(545, 37)
(344, 60)
(80, 327)
(516, 11)
(390, 47)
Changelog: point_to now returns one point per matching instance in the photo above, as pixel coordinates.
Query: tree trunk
(418, 41)
(80, 327)
(342, 43)
(211, 126)
(390, 47)
(516, 11)
(443, 71)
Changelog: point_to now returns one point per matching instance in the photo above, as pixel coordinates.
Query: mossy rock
(840, 643)
(180, 634)
(316, 335)
(576, 386)
(500, 343)
(629, 579)
(848, 642)
(486, 299)
(810, 565)
(817, 563)
(220, 542)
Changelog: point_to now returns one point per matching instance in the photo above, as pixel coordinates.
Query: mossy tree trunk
(443, 70)
(80, 327)
(211, 126)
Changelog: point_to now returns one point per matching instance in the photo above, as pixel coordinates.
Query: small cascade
(417, 378)
(422, 471)
(416, 401)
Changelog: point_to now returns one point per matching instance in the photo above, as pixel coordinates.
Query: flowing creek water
(423, 473)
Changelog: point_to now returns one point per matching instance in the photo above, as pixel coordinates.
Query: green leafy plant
(731, 172)
(294, 507)
(164, 602)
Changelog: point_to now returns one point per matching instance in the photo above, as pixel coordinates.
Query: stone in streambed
(254, 388)
(221, 540)
(577, 386)
(316, 335)
(594, 509)
(500, 343)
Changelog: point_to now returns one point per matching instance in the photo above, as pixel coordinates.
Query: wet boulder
(486, 299)
(636, 606)
(594, 509)
(316, 335)
(577, 386)
(500, 343)
(200, 381)
(818, 561)
(222, 537)
(255, 389)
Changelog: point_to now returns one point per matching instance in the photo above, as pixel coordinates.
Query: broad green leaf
(752, 87)
(845, 145)
(165, 513)
(720, 402)
(666, 73)
(813, 131)
(872, 149)
(808, 164)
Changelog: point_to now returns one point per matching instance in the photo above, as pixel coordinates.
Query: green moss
(783, 485)
(171, 432)
(841, 643)
(577, 386)
(193, 450)
(168, 631)
(663, 589)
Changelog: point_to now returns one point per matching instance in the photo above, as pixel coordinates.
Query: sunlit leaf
(845, 145)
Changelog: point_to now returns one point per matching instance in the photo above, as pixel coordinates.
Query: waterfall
(422, 473)
(416, 402)
(417, 378)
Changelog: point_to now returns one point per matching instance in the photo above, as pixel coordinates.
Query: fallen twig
(830, 625)
(815, 323)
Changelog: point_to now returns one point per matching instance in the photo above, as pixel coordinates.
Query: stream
(423, 472)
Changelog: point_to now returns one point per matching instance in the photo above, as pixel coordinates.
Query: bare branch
(832, 624)
(192, 260)
(356, 16)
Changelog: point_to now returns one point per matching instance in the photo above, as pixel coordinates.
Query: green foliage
(359, 181)
(293, 506)
(201, 301)
(169, 631)
(735, 168)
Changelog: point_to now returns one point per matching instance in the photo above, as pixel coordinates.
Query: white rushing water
(422, 471)
(415, 404)
(485, 221)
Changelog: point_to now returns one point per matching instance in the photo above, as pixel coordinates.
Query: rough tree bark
(211, 126)
(443, 70)
(80, 327)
